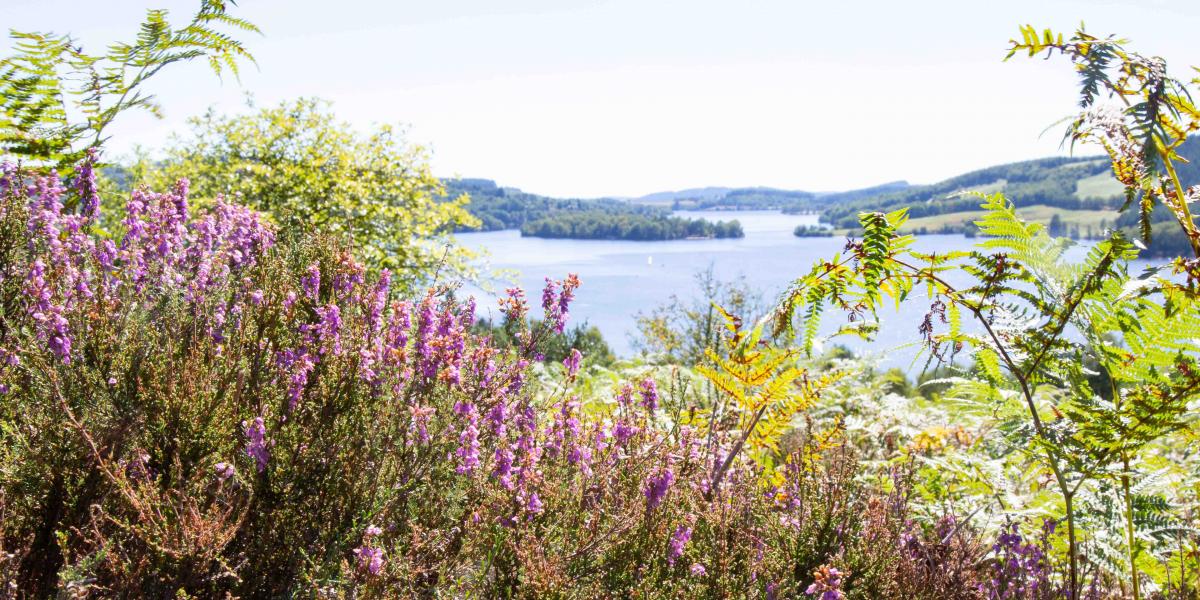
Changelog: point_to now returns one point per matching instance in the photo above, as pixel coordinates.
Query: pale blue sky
(593, 97)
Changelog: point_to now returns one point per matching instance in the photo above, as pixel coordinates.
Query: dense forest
(498, 208)
(601, 225)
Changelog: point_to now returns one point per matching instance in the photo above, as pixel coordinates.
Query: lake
(620, 278)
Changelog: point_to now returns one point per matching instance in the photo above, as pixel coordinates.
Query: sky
(589, 98)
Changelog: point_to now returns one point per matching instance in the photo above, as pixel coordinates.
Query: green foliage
(499, 208)
(812, 231)
(1030, 311)
(1143, 136)
(763, 390)
(555, 347)
(56, 101)
(681, 331)
(593, 225)
(299, 164)
(602, 218)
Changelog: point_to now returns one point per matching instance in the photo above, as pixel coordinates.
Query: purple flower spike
(370, 559)
(649, 392)
(571, 362)
(656, 487)
(679, 541)
(256, 446)
(311, 282)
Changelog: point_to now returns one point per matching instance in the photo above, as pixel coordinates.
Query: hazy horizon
(588, 98)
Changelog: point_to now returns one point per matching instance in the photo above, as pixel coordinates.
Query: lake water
(620, 278)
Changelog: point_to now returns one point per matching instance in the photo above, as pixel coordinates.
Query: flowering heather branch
(192, 347)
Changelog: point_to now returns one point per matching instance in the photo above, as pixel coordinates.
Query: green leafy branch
(1155, 117)
(56, 101)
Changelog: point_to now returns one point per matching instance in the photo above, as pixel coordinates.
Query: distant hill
(868, 192)
(1074, 196)
(758, 198)
(1077, 196)
(510, 208)
(602, 218)
(705, 193)
(1062, 182)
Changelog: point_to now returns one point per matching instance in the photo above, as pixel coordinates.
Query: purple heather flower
(581, 456)
(467, 315)
(571, 362)
(679, 541)
(370, 559)
(827, 584)
(625, 395)
(656, 487)
(378, 300)
(649, 392)
(623, 430)
(468, 440)
(489, 371)
(550, 296)
(1020, 568)
(420, 421)
(503, 467)
(534, 505)
(256, 446)
(297, 364)
(224, 471)
(497, 417)
(347, 278)
(697, 570)
(53, 327)
(256, 297)
(85, 185)
(329, 326)
(311, 282)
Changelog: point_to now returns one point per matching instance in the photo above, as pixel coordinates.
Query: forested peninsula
(497, 208)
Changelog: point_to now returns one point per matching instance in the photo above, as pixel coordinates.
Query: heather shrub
(196, 403)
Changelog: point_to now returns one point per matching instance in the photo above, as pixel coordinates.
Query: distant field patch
(1038, 213)
(989, 188)
(1102, 185)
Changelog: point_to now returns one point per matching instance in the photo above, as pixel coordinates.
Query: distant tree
(812, 231)
(1056, 228)
(298, 163)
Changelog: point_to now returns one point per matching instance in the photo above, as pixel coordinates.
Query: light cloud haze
(623, 98)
